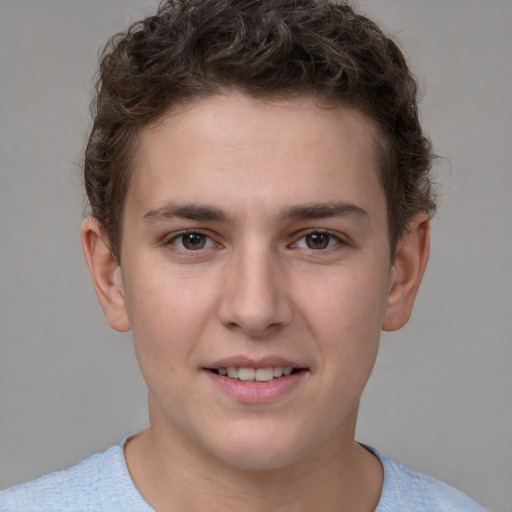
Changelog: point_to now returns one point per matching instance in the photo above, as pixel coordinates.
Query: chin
(255, 448)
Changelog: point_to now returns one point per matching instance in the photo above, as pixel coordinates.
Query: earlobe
(105, 273)
(407, 272)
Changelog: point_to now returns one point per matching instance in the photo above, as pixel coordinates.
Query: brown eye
(192, 241)
(318, 240)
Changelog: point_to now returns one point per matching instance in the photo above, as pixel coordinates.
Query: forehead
(223, 147)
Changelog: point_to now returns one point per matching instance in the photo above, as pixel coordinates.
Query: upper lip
(248, 362)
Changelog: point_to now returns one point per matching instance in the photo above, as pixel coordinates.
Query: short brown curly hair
(272, 48)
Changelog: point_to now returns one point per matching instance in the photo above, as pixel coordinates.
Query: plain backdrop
(439, 400)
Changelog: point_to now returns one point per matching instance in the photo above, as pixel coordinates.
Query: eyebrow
(197, 212)
(323, 211)
(185, 211)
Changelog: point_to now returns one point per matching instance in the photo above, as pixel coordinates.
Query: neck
(173, 474)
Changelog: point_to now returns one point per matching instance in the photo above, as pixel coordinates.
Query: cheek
(345, 317)
(347, 302)
(168, 314)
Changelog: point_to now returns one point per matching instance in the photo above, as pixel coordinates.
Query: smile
(251, 382)
(255, 374)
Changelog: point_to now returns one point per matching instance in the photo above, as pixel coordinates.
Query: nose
(255, 297)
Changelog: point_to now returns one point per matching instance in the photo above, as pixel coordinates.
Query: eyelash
(191, 232)
(331, 241)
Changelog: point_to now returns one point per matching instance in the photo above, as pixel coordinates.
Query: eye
(192, 241)
(318, 240)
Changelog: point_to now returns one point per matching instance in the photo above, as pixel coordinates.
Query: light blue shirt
(102, 483)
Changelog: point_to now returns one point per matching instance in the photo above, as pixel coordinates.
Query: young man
(260, 208)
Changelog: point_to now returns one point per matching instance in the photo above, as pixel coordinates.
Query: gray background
(440, 397)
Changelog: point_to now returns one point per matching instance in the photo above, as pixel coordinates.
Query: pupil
(317, 240)
(193, 241)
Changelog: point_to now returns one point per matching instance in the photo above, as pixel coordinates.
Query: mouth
(251, 381)
(263, 374)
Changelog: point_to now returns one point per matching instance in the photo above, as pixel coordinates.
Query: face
(255, 275)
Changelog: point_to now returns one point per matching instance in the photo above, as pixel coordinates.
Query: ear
(407, 272)
(105, 273)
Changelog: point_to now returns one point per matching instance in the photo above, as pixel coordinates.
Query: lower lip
(254, 392)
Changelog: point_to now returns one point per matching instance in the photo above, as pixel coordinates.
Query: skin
(258, 183)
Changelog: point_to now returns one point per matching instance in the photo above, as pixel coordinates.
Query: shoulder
(100, 482)
(63, 490)
(406, 490)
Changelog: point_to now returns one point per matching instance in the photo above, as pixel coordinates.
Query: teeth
(278, 371)
(255, 374)
(246, 373)
(264, 374)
